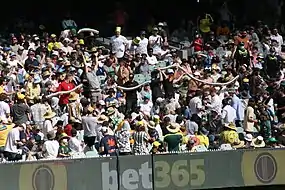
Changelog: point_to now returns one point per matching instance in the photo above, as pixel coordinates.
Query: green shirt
(173, 141)
(64, 150)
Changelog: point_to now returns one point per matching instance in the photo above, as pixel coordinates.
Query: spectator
(141, 139)
(173, 138)
(20, 111)
(108, 144)
(64, 151)
(12, 153)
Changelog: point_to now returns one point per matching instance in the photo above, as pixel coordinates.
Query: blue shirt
(110, 145)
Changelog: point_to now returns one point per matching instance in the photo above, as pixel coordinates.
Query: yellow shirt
(205, 25)
(204, 140)
(1, 89)
(4, 130)
(33, 91)
(51, 45)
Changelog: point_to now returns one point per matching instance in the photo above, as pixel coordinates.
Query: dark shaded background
(96, 13)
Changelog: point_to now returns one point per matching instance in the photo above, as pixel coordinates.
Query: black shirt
(168, 88)
(131, 94)
(19, 113)
(155, 88)
(30, 64)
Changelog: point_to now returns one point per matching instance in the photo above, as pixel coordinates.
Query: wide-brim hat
(51, 135)
(90, 109)
(93, 50)
(46, 73)
(73, 96)
(173, 128)
(156, 144)
(136, 41)
(49, 114)
(151, 125)
(21, 65)
(63, 136)
(238, 144)
(258, 142)
(231, 126)
(110, 111)
(20, 96)
(102, 118)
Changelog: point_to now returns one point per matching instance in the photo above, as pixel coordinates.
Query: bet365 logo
(178, 174)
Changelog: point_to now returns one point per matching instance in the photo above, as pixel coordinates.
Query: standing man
(277, 37)
(142, 46)
(13, 142)
(155, 41)
(131, 95)
(92, 79)
(119, 43)
(65, 85)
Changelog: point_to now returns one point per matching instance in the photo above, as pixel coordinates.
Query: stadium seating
(161, 64)
(92, 154)
(140, 78)
(152, 68)
(102, 78)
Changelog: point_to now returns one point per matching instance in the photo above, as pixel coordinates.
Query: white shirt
(146, 108)
(13, 136)
(159, 131)
(131, 47)
(172, 106)
(4, 110)
(279, 39)
(151, 60)
(195, 104)
(215, 77)
(75, 145)
(216, 103)
(67, 49)
(50, 148)
(142, 47)
(13, 63)
(229, 114)
(155, 42)
(118, 44)
(171, 117)
(47, 127)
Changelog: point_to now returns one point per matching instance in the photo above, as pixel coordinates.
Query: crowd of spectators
(66, 96)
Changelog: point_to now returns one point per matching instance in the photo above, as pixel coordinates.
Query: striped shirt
(140, 142)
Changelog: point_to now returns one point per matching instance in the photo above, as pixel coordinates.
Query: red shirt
(64, 86)
(198, 45)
